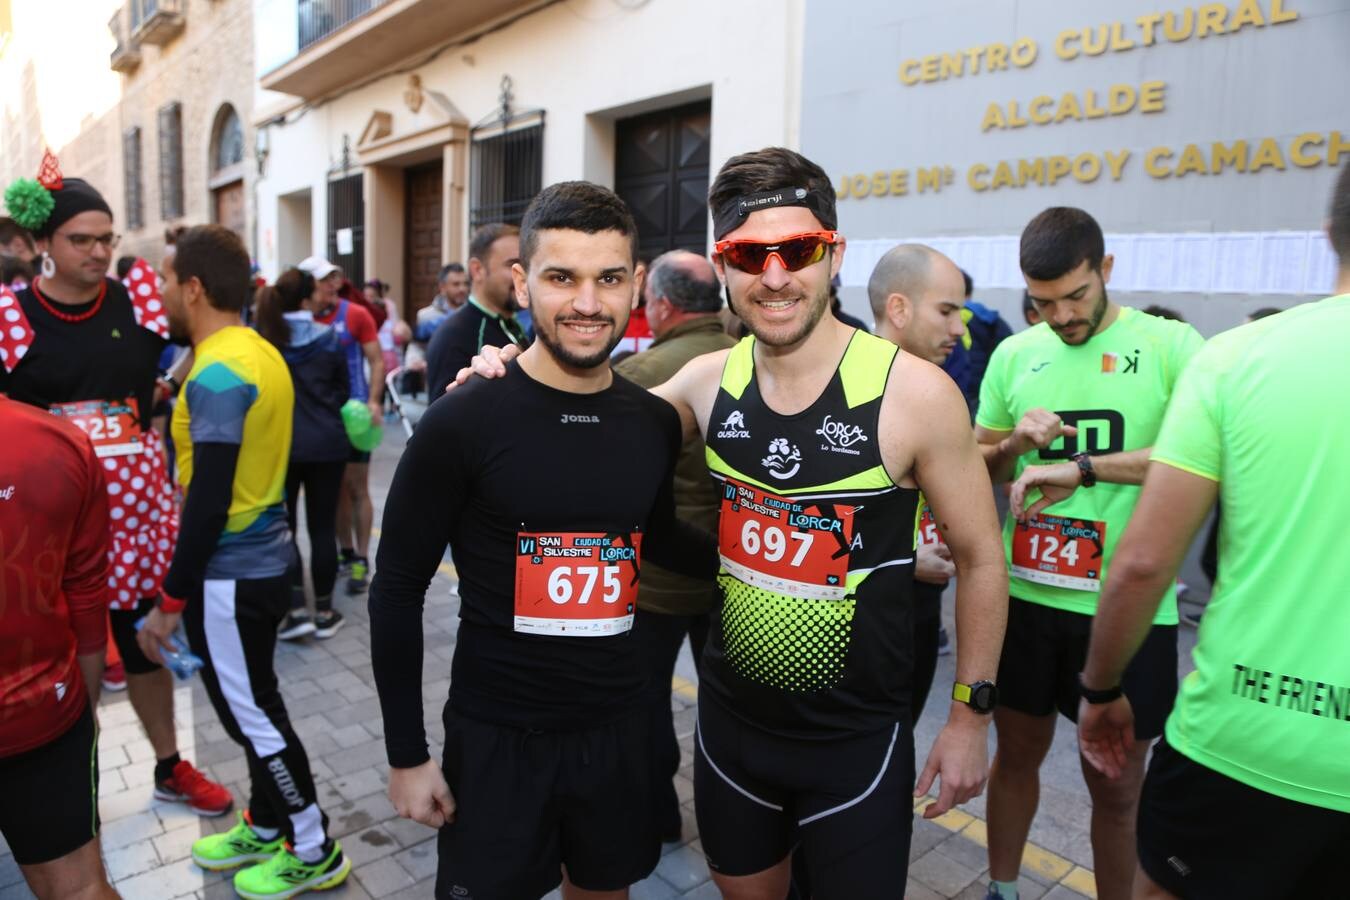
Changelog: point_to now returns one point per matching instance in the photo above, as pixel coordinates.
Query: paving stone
(133, 859)
(360, 784)
(129, 830)
(683, 869)
(369, 755)
(965, 851)
(1060, 892)
(177, 844)
(423, 890)
(17, 891)
(705, 891)
(407, 832)
(383, 877)
(652, 888)
(941, 873)
(164, 883)
(353, 815)
(367, 845)
(925, 837)
(350, 736)
(419, 861)
(916, 890)
(9, 871)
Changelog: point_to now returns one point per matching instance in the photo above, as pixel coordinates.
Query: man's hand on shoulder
(421, 794)
(489, 363)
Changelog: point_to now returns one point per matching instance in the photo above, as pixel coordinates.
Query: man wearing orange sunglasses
(819, 436)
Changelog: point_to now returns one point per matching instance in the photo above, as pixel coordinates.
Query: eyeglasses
(794, 253)
(85, 242)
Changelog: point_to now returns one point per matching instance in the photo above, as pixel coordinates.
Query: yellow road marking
(684, 687)
(1082, 881)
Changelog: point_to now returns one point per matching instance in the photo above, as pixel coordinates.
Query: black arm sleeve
(204, 515)
(673, 543)
(424, 502)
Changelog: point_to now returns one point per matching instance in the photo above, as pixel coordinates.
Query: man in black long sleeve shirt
(547, 760)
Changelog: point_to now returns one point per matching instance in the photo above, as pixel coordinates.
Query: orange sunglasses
(794, 253)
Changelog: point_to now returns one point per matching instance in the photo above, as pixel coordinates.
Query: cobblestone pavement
(329, 691)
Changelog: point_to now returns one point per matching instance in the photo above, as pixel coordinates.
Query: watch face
(983, 696)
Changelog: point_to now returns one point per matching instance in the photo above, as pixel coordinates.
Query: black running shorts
(49, 795)
(848, 801)
(1045, 648)
(123, 622)
(529, 802)
(1203, 834)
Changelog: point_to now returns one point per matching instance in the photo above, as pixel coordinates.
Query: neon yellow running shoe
(286, 875)
(235, 847)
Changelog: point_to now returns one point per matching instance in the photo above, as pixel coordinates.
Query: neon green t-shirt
(1114, 389)
(1269, 701)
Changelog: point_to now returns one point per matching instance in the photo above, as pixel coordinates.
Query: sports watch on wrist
(1095, 697)
(982, 696)
(1087, 474)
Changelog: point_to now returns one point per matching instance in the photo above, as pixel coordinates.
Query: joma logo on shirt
(568, 419)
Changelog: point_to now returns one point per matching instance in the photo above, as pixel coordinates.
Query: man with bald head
(683, 299)
(917, 295)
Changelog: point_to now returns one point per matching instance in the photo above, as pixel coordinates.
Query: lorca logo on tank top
(840, 437)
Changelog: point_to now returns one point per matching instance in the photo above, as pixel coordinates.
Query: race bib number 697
(577, 584)
(783, 545)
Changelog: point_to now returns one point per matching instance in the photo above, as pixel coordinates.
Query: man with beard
(819, 435)
(488, 318)
(86, 348)
(547, 731)
(228, 582)
(1075, 401)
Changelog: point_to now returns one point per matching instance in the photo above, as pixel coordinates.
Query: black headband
(729, 216)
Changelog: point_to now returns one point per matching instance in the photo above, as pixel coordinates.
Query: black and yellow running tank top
(813, 637)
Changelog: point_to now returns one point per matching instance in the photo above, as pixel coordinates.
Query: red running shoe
(115, 678)
(202, 795)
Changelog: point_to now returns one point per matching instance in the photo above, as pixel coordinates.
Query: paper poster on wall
(1237, 259)
(1192, 257)
(1276, 262)
(344, 241)
(1284, 260)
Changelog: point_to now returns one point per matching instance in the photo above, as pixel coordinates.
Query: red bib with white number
(576, 583)
(929, 536)
(114, 426)
(1060, 552)
(782, 545)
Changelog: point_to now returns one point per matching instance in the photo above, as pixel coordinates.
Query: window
(171, 161)
(227, 140)
(508, 170)
(131, 174)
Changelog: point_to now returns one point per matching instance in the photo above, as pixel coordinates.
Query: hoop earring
(48, 267)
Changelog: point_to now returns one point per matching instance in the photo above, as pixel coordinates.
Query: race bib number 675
(577, 584)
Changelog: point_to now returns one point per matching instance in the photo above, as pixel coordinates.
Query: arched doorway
(227, 171)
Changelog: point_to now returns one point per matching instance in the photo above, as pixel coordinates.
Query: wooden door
(228, 203)
(661, 172)
(422, 256)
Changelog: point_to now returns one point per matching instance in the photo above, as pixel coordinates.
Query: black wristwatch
(1085, 470)
(1096, 697)
(982, 696)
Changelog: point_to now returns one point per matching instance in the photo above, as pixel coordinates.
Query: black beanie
(75, 196)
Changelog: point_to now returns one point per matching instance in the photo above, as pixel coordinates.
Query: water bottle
(180, 660)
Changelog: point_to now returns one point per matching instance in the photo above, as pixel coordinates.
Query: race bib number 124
(576, 584)
(1060, 552)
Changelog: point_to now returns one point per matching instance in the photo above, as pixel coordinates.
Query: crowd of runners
(794, 503)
